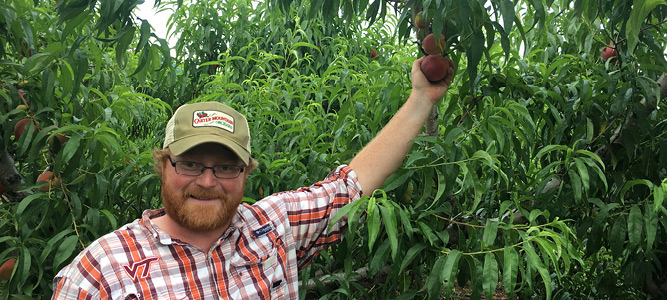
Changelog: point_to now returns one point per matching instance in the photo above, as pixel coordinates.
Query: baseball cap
(208, 122)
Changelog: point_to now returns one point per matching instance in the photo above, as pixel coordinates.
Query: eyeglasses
(190, 168)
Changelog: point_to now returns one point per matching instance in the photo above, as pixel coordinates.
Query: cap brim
(182, 145)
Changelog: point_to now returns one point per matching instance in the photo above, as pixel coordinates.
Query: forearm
(385, 153)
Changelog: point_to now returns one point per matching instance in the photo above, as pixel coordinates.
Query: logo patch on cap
(213, 118)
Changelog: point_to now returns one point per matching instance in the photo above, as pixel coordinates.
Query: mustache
(204, 194)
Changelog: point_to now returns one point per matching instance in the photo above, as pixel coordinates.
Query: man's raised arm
(384, 154)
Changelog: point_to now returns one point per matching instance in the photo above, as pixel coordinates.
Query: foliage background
(545, 176)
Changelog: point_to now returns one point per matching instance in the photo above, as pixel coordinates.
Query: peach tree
(542, 173)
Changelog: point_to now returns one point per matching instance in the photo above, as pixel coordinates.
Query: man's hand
(421, 87)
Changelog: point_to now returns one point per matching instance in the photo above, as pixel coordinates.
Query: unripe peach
(435, 67)
(419, 20)
(429, 45)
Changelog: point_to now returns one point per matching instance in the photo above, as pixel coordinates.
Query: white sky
(157, 20)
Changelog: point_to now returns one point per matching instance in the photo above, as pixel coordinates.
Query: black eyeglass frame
(203, 168)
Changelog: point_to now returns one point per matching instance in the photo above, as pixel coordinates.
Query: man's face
(204, 202)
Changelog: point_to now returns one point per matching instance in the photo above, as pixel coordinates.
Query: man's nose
(207, 178)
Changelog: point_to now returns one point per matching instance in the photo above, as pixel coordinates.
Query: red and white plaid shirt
(258, 257)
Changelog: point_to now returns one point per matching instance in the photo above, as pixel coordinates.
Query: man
(203, 244)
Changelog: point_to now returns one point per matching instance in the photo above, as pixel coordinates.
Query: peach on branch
(20, 127)
(7, 268)
(436, 67)
(60, 137)
(420, 22)
(431, 47)
(48, 181)
(609, 53)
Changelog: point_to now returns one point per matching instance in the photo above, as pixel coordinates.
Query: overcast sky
(157, 20)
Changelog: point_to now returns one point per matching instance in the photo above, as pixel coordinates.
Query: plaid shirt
(258, 257)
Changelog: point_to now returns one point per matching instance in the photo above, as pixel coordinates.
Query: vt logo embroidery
(132, 271)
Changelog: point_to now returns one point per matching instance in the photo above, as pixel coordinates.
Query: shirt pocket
(262, 269)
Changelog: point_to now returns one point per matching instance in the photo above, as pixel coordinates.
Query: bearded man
(205, 244)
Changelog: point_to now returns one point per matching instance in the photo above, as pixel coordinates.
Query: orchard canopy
(542, 174)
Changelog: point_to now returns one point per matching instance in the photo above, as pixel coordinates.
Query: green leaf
(110, 217)
(536, 263)
(484, 157)
(490, 281)
(397, 179)
(372, 222)
(428, 233)
(48, 81)
(52, 241)
(379, 258)
(510, 269)
(575, 181)
(449, 271)
(442, 184)
(72, 145)
(507, 10)
(490, 232)
(144, 35)
(550, 148)
(23, 262)
(413, 252)
(658, 197)
(474, 53)
(651, 225)
(631, 183)
(598, 170)
(583, 173)
(391, 226)
(405, 220)
(640, 10)
(434, 282)
(635, 226)
(372, 11)
(65, 251)
(353, 206)
(25, 202)
(37, 63)
(591, 155)
(617, 236)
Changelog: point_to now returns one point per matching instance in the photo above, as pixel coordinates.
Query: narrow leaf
(617, 236)
(372, 222)
(449, 271)
(413, 252)
(635, 226)
(490, 275)
(434, 282)
(490, 232)
(65, 250)
(510, 269)
(391, 226)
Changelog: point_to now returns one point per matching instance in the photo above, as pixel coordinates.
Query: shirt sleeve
(310, 209)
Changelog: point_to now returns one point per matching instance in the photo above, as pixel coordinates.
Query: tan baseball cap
(208, 122)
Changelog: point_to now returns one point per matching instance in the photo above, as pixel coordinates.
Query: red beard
(195, 216)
